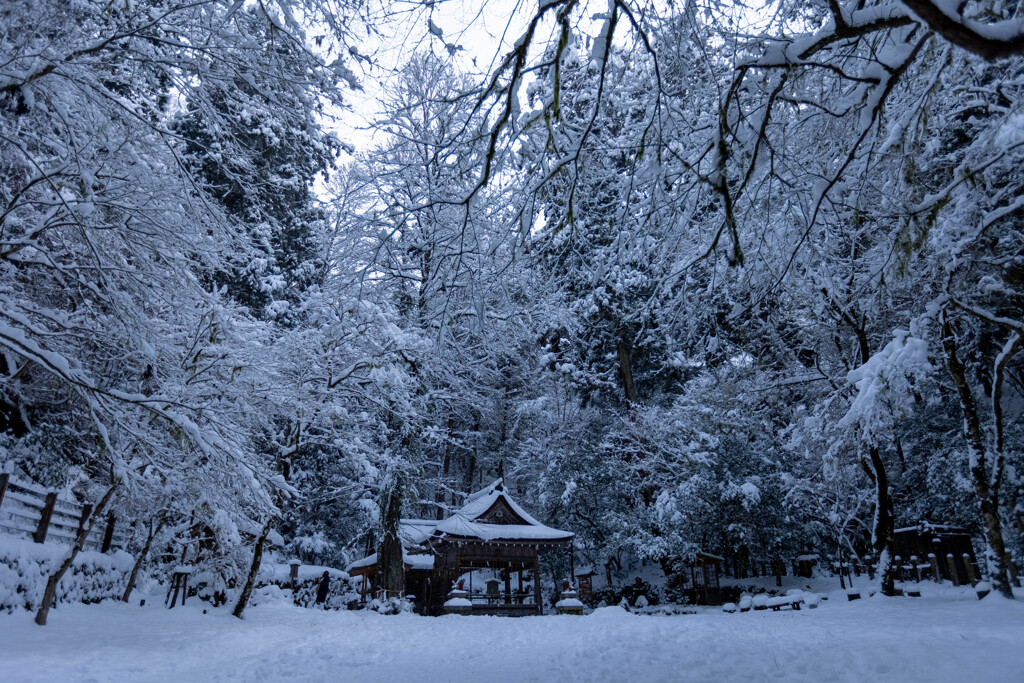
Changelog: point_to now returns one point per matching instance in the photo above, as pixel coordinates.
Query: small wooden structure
(179, 582)
(947, 550)
(698, 580)
(490, 532)
(585, 581)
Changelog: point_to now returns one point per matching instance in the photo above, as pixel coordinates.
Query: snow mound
(614, 612)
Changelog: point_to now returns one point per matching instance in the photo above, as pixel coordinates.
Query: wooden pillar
(44, 517)
(536, 586)
(951, 564)
(507, 575)
(108, 535)
(4, 479)
(969, 569)
(572, 563)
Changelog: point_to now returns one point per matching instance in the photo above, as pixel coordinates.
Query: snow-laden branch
(990, 41)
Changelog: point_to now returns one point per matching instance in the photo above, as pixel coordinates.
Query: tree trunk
(988, 496)
(390, 565)
(153, 531)
(257, 558)
(883, 534)
(50, 593)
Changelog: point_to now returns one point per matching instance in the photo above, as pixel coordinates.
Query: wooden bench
(791, 601)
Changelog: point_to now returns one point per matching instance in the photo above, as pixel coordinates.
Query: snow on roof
(255, 530)
(415, 531)
(465, 522)
(420, 561)
(928, 527)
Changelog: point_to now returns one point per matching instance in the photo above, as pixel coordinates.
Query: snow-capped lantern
(458, 601)
(568, 603)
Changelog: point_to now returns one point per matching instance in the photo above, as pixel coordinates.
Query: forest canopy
(690, 276)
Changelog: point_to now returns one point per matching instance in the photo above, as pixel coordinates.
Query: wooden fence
(30, 511)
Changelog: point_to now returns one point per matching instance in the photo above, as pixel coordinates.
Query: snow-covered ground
(945, 636)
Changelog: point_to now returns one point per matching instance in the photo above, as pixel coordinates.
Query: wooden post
(44, 517)
(934, 561)
(898, 564)
(536, 587)
(914, 560)
(969, 569)
(108, 535)
(86, 512)
(293, 574)
(4, 479)
(951, 563)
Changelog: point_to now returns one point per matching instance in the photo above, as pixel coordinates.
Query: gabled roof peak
(491, 513)
(497, 485)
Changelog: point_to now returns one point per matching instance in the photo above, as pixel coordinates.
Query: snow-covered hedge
(25, 566)
(340, 594)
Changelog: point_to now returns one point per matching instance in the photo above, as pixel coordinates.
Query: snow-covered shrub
(391, 606)
(340, 593)
(25, 566)
(209, 585)
(270, 595)
(613, 595)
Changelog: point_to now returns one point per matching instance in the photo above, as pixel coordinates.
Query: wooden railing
(30, 511)
(513, 598)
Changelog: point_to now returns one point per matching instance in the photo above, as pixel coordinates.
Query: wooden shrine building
(490, 533)
(946, 550)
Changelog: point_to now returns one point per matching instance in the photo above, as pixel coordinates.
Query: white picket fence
(30, 511)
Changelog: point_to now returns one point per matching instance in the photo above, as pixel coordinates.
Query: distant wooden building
(950, 547)
(491, 531)
(698, 579)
